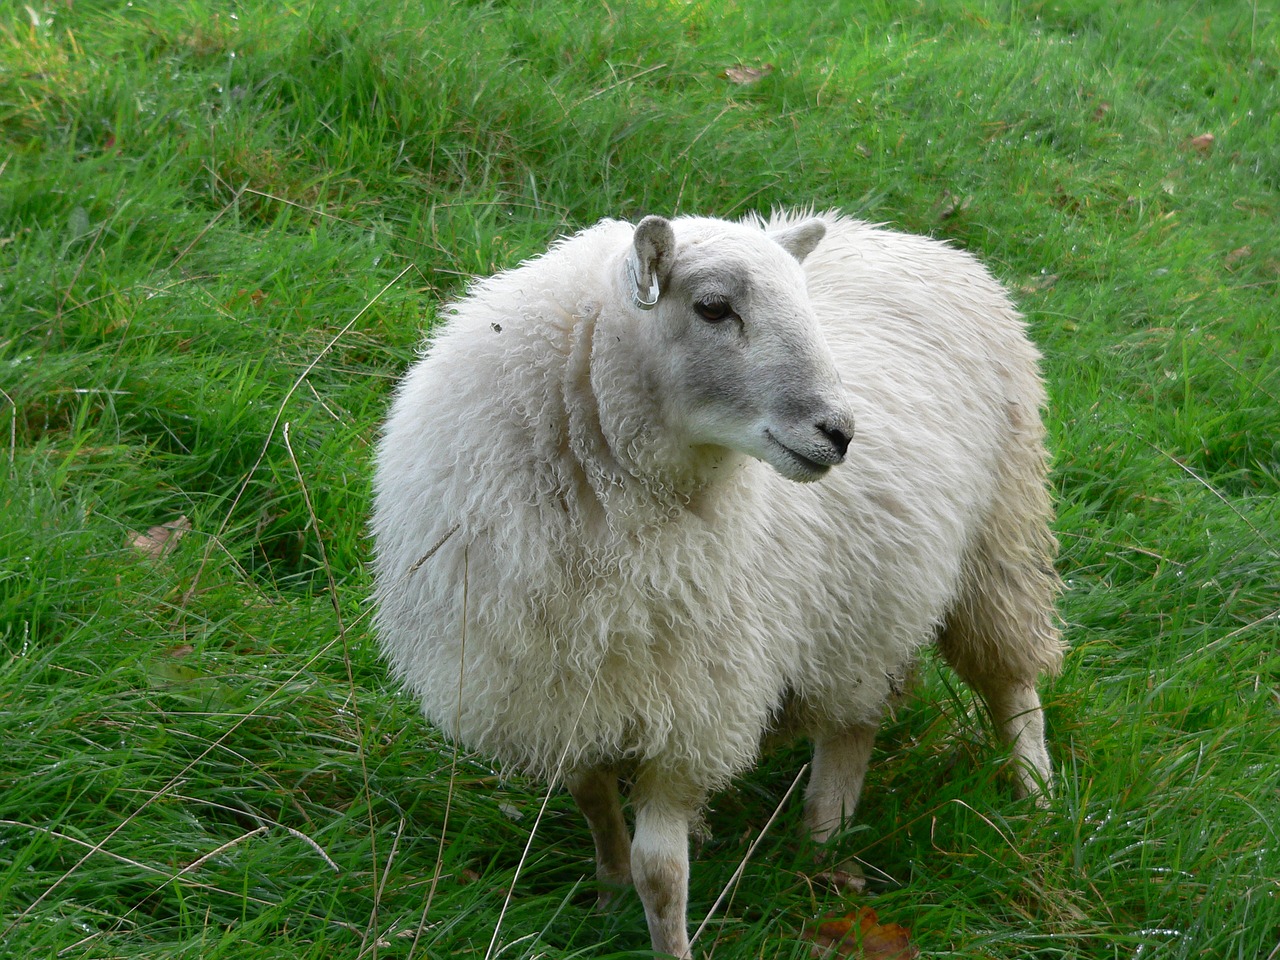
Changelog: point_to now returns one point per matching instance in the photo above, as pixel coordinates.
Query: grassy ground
(223, 229)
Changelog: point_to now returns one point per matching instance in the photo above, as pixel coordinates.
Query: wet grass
(223, 230)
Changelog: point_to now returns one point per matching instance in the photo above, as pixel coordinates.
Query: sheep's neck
(618, 445)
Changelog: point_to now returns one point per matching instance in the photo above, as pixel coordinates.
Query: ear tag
(633, 274)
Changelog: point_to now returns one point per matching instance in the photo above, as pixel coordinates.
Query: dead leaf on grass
(859, 935)
(743, 74)
(950, 204)
(1202, 144)
(1236, 255)
(1039, 284)
(160, 541)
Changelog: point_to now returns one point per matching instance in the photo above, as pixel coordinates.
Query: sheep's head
(734, 346)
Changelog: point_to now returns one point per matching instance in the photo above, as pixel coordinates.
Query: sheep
(599, 551)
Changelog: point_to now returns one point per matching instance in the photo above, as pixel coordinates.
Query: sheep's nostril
(839, 437)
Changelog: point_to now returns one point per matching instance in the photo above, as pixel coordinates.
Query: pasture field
(224, 230)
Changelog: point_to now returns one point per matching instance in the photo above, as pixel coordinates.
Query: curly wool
(599, 596)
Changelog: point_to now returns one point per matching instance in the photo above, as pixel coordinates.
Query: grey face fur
(738, 352)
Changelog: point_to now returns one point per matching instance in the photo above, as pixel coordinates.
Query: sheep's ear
(652, 251)
(800, 239)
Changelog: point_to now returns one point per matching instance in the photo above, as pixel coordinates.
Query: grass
(223, 230)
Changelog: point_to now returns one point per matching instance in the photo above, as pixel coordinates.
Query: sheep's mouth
(792, 464)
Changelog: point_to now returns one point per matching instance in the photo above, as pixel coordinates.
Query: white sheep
(591, 559)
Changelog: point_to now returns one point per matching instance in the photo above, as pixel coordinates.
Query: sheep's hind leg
(1000, 637)
(596, 793)
(665, 807)
(839, 768)
(1016, 710)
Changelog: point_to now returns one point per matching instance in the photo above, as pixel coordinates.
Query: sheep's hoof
(846, 877)
(609, 893)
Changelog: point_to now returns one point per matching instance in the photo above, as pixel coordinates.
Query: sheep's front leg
(840, 762)
(664, 809)
(596, 793)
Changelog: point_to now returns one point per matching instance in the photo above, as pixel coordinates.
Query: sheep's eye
(713, 311)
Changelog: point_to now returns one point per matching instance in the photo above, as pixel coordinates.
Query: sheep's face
(736, 353)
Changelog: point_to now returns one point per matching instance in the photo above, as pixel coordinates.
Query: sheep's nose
(839, 436)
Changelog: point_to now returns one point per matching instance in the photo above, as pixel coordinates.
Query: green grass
(223, 231)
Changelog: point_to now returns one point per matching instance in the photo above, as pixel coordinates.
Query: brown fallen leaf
(742, 74)
(1236, 255)
(160, 541)
(859, 935)
(888, 941)
(1202, 144)
(949, 204)
(1039, 284)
